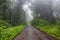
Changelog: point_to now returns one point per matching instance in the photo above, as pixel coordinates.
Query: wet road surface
(31, 33)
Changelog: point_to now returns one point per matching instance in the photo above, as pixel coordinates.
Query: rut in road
(31, 33)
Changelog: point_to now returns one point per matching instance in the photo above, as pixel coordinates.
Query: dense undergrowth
(8, 32)
(52, 29)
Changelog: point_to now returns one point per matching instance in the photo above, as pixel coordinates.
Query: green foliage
(51, 29)
(4, 24)
(40, 22)
(8, 32)
(58, 22)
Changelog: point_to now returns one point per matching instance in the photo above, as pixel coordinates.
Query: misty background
(15, 15)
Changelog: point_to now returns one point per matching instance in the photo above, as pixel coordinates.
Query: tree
(3, 7)
(44, 10)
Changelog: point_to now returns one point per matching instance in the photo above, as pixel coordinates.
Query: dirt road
(31, 33)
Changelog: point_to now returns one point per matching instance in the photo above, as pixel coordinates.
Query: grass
(8, 32)
(46, 26)
(53, 30)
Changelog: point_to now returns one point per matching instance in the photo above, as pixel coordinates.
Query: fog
(28, 12)
(45, 9)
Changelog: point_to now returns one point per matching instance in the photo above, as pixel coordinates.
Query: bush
(8, 32)
(52, 29)
(40, 22)
(4, 24)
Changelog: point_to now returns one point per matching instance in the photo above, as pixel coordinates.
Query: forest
(29, 19)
